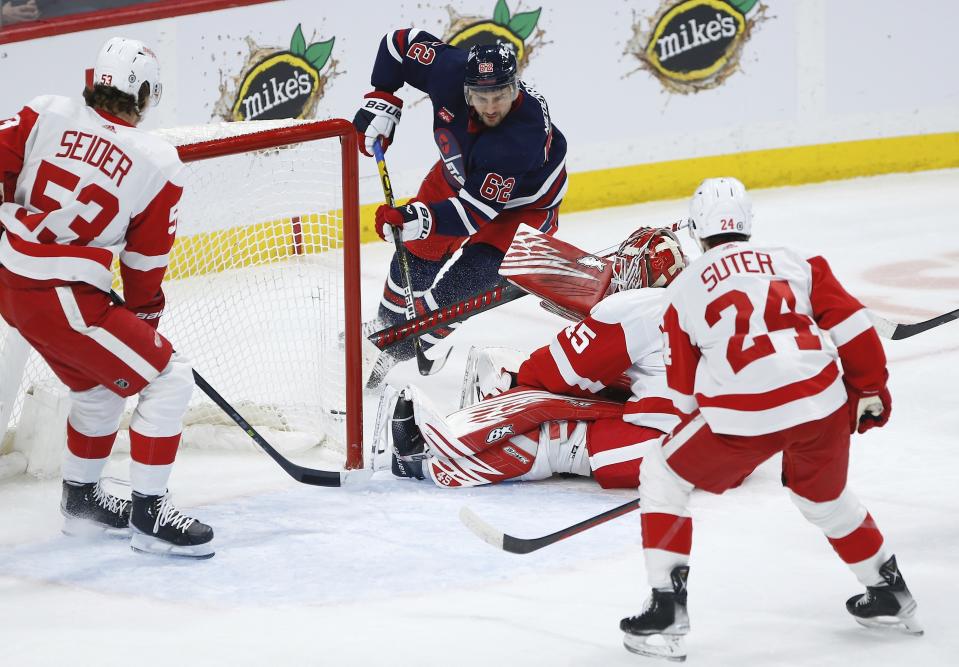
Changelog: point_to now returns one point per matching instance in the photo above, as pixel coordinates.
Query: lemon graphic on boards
(513, 30)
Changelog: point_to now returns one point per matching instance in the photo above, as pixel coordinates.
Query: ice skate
(658, 631)
(160, 528)
(88, 510)
(397, 444)
(409, 448)
(889, 606)
(380, 369)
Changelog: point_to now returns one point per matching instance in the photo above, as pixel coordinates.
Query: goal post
(263, 288)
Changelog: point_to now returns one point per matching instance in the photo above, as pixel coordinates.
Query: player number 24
(775, 316)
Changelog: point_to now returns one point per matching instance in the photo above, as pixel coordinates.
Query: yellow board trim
(622, 186)
(603, 188)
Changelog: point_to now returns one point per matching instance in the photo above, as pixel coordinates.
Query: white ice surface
(386, 575)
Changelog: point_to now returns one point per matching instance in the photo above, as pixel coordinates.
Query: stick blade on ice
(481, 529)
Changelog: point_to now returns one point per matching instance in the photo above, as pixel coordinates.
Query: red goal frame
(298, 133)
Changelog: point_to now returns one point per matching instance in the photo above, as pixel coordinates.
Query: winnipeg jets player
(502, 163)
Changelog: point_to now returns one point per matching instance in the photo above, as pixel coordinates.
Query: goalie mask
(128, 65)
(650, 257)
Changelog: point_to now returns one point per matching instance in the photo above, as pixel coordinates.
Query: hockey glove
(377, 118)
(496, 369)
(151, 311)
(868, 410)
(415, 221)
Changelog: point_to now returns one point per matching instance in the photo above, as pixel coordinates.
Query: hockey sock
(152, 462)
(86, 455)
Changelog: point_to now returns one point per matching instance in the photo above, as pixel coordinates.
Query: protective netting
(255, 290)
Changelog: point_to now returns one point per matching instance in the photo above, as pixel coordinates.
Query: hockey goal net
(262, 291)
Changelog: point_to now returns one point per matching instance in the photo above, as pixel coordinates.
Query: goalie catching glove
(377, 118)
(415, 221)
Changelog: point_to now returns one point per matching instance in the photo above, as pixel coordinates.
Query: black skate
(88, 510)
(409, 448)
(889, 606)
(159, 528)
(658, 631)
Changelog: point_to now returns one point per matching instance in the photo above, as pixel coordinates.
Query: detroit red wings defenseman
(558, 417)
(767, 353)
(80, 184)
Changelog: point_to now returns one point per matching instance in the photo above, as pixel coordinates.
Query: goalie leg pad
(521, 410)
(500, 462)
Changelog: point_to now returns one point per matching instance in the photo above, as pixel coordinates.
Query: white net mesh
(255, 292)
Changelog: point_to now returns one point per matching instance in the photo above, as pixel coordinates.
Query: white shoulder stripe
(464, 216)
(566, 371)
(391, 47)
(144, 262)
(547, 184)
(850, 327)
(485, 209)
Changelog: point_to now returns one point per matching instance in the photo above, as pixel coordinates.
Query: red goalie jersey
(620, 336)
(759, 356)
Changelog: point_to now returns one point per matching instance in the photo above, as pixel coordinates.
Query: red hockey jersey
(752, 336)
(621, 335)
(80, 186)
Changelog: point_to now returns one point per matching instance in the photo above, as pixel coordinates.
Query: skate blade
(147, 544)
(907, 625)
(85, 529)
(666, 647)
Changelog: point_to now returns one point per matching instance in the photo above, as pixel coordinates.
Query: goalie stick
(895, 331)
(426, 365)
(519, 545)
(302, 474)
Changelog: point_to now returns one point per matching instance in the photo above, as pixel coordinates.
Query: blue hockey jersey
(520, 163)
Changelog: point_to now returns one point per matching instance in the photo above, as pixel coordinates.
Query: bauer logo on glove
(415, 221)
(377, 117)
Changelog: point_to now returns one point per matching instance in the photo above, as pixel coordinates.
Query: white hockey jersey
(80, 186)
(621, 335)
(752, 337)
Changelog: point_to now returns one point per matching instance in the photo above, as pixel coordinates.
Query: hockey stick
(895, 331)
(519, 545)
(300, 473)
(446, 315)
(425, 365)
(453, 313)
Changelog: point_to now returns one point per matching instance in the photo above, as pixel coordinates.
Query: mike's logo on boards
(513, 29)
(279, 83)
(695, 45)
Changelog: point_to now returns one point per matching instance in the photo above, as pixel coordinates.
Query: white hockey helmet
(720, 206)
(126, 64)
